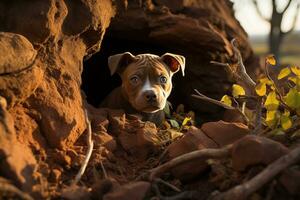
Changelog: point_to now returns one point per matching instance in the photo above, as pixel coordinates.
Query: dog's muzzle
(150, 96)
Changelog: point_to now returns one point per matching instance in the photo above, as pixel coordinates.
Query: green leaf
(167, 110)
(284, 73)
(295, 70)
(292, 99)
(285, 122)
(271, 60)
(275, 132)
(174, 123)
(226, 100)
(237, 90)
(261, 89)
(271, 102)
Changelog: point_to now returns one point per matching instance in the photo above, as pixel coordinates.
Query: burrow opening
(97, 82)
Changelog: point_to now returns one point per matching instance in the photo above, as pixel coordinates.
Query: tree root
(6, 187)
(90, 144)
(244, 190)
(199, 154)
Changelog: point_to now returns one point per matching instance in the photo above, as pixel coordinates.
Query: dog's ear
(174, 62)
(118, 62)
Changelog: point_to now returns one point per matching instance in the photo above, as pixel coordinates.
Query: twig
(156, 191)
(219, 103)
(259, 11)
(90, 144)
(102, 166)
(199, 154)
(184, 196)
(103, 169)
(8, 188)
(271, 190)
(294, 21)
(216, 102)
(286, 7)
(220, 64)
(258, 111)
(162, 156)
(244, 190)
(173, 187)
(241, 73)
(238, 71)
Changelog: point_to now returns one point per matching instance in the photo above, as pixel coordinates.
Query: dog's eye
(134, 79)
(163, 79)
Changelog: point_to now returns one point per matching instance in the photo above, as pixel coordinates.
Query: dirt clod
(253, 150)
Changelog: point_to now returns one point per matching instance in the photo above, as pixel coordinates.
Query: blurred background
(273, 27)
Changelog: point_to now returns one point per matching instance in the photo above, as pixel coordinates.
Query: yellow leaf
(292, 98)
(285, 122)
(293, 79)
(266, 81)
(271, 118)
(237, 90)
(186, 120)
(261, 89)
(296, 80)
(286, 113)
(271, 102)
(226, 100)
(295, 70)
(271, 60)
(284, 73)
(272, 87)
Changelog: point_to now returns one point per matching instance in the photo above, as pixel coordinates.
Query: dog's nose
(150, 95)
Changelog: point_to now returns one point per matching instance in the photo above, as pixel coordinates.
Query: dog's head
(146, 78)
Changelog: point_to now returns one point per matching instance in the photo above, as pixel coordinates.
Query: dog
(146, 83)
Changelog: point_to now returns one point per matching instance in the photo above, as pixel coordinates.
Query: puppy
(146, 83)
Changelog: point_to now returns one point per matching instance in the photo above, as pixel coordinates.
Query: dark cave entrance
(97, 82)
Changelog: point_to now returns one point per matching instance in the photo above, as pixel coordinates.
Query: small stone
(130, 191)
(139, 139)
(19, 53)
(106, 140)
(55, 175)
(193, 140)
(224, 133)
(117, 120)
(254, 150)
